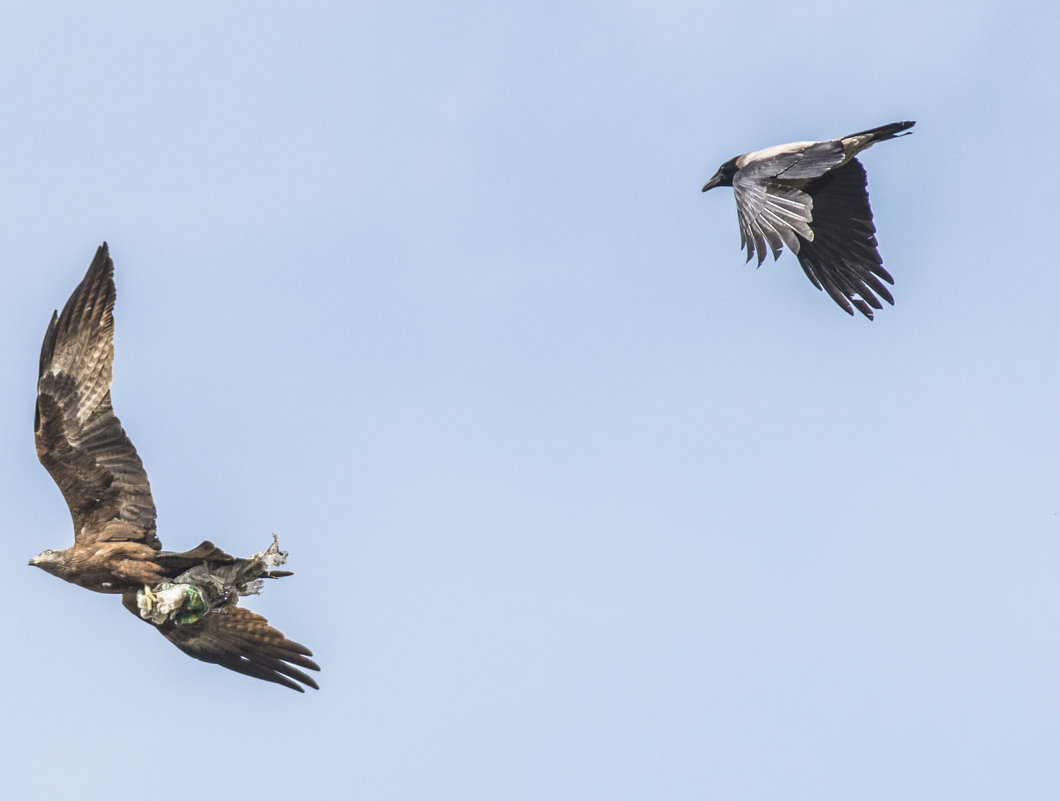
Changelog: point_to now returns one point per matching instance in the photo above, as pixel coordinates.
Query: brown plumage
(116, 547)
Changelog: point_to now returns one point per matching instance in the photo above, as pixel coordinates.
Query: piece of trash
(181, 603)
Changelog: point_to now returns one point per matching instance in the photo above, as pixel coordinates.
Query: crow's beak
(713, 181)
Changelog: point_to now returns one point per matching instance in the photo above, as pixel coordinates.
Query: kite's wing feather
(842, 258)
(79, 439)
(243, 641)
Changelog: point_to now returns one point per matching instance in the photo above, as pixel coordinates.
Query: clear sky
(580, 506)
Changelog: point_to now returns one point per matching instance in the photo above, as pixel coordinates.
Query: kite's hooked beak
(48, 561)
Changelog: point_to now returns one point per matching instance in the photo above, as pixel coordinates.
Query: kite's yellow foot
(149, 598)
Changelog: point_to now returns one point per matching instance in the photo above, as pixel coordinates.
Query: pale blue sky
(580, 506)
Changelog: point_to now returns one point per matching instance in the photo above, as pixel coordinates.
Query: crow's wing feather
(796, 161)
(772, 212)
(843, 257)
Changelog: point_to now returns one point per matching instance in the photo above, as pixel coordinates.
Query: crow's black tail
(885, 131)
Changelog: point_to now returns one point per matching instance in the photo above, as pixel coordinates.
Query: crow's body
(813, 198)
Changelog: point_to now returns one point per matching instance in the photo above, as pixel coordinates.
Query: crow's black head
(723, 177)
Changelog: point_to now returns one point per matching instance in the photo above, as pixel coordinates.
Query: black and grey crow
(812, 197)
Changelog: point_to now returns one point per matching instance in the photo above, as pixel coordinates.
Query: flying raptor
(813, 197)
(190, 597)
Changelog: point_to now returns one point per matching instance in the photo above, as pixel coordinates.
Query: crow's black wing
(842, 256)
(770, 212)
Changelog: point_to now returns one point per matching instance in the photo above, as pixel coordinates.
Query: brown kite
(190, 597)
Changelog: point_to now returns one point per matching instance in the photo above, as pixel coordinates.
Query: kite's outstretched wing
(79, 439)
(242, 641)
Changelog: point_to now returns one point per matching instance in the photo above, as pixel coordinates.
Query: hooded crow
(812, 197)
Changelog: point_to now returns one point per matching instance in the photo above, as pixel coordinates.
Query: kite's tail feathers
(241, 574)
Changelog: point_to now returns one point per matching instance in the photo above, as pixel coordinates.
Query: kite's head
(50, 561)
(724, 175)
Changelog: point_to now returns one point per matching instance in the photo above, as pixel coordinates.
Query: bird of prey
(812, 197)
(190, 597)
